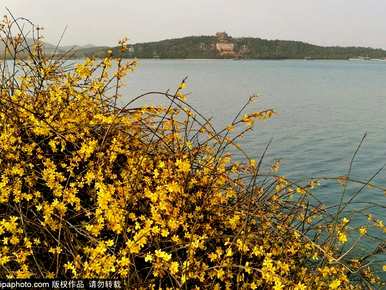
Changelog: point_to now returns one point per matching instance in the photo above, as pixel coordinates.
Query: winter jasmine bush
(150, 194)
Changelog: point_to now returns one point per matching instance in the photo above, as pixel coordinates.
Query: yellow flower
(220, 273)
(88, 148)
(380, 224)
(247, 268)
(174, 267)
(148, 258)
(183, 165)
(278, 285)
(242, 246)
(70, 266)
(164, 233)
(300, 190)
(213, 257)
(313, 183)
(248, 120)
(56, 250)
(258, 251)
(124, 261)
(229, 252)
(182, 86)
(163, 255)
(181, 96)
(183, 279)
(362, 231)
(276, 166)
(173, 187)
(14, 240)
(230, 127)
(342, 237)
(4, 260)
(345, 220)
(335, 284)
(234, 221)
(300, 286)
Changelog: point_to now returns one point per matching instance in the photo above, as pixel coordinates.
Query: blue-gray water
(324, 108)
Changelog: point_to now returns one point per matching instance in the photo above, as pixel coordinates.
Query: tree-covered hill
(249, 48)
(205, 47)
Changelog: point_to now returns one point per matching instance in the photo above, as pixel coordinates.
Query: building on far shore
(225, 48)
(222, 36)
(224, 44)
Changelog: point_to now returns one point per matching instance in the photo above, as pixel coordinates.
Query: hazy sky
(104, 22)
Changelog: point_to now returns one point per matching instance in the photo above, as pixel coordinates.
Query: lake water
(324, 109)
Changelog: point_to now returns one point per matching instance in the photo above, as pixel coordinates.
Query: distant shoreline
(222, 59)
(222, 46)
